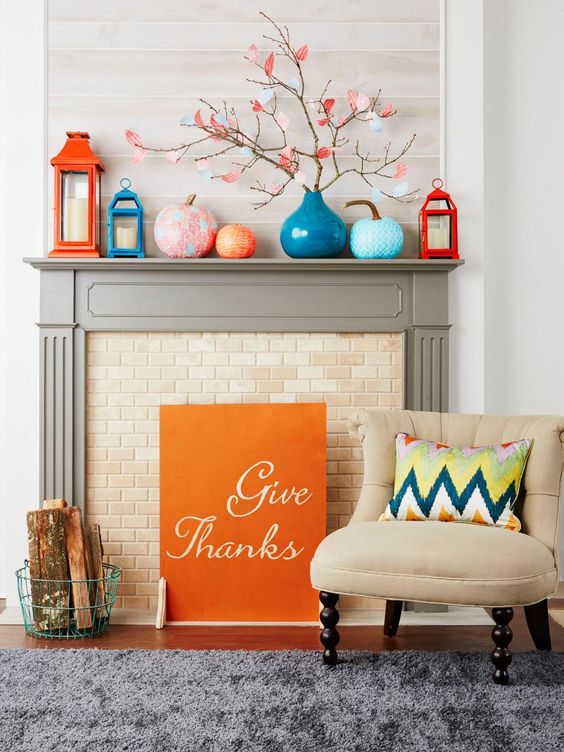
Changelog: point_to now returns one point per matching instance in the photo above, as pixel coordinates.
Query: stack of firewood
(65, 568)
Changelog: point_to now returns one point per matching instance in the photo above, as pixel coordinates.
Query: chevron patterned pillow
(451, 484)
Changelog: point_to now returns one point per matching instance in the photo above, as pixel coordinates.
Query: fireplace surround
(407, 296)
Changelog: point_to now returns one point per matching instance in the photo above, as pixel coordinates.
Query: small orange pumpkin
(235, 241)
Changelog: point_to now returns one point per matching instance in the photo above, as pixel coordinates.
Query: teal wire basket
(67, 609)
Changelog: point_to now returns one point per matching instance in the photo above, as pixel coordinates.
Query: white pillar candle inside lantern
(438, 231)
(75, 207)
(125, 232)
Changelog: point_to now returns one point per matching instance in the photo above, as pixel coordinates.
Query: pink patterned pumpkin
(185, 230)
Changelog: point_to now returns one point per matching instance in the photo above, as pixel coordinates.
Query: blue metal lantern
(125, 224)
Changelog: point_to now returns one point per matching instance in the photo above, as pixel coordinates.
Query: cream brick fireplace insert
(347, 332)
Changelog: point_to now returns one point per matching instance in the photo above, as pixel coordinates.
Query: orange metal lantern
(438, 226)
(78, 190)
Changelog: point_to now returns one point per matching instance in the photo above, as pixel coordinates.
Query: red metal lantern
(438, 226)
(78, 192)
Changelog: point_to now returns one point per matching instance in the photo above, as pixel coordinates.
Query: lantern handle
(437, 183)
(125, 183)
(363, 202)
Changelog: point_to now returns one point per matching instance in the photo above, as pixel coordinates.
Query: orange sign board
(242, 510)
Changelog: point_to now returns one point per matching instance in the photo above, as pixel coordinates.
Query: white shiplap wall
(142, 64)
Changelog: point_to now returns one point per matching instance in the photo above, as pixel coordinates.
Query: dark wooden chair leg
(538, 623)
(392, 617)
(502, 635)
(329, 618)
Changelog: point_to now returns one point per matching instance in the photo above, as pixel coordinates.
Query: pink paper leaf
(328, 105)
(283, 120)
(323, 152)
(231, 177)
(202, 164)
(139, 155)
(199, 120)
(341, 121)
(133, 139)
(302, 53)
(387, 110)
(252, 54)
(352, 97)
(174, 155)
(401, 170)
(257, 106)
(362, 101)
(275, 188)
(269, 64)
(300, 177)
(323, 121)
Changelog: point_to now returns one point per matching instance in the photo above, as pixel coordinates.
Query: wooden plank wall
(142, 64)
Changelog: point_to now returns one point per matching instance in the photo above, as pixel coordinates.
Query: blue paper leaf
(376, 194)
(221, 119)
(207, 174)
(375, 124)
(265, 96)
(188, 120)
(294, 83)
(401, 189)
(245, 151)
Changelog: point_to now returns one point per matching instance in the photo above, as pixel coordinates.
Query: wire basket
(67, 609)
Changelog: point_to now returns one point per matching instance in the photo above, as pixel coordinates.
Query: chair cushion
(472, 484)
(435, 562)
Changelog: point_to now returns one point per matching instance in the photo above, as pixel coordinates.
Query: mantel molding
(409, 296)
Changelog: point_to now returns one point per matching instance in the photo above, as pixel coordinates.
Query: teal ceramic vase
(313, 230)
(375, 238)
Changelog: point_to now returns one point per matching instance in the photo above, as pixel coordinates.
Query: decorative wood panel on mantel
(215, 295)
(144, 64)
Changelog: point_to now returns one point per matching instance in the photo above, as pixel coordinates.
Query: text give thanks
(242, 509)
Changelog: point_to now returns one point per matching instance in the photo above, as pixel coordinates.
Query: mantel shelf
(271, 264)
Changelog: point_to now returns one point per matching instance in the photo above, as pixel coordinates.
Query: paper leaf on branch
(275, 188)
(174, 155)
(269, 64)
(133, 139)
(401, 170)
(221, 119)
(374, 123)
(323, 121)
(252, 54)
(202, 164)
(387, 110)
(245, 151)
(401, 189)
(362, 101)
(286, 156)
(218, 122)
(376, 195)
(206, 174)
(302, 53)
(283, 120)
(352, 97)
(294, 83)
(328, 105)
(257, 106)
(300, 177)
(265, 96)
(199, 120)
(139, 155)
(324, 151)
(187, 120)
(231, 177)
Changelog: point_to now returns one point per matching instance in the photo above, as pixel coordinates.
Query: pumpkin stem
(190, 199)
(364, 202)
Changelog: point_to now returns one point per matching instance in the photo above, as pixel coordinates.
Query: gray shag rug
(218, 701)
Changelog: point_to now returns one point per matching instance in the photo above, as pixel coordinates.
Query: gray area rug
(144, 701)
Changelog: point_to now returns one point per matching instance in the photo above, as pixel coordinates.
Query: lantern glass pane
(74, 206)
(438, 231)
(125, 232)
(98, 207)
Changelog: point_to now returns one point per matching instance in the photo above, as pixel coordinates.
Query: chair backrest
(542, 483)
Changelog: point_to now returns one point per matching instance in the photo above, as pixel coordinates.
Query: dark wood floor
(288, 638)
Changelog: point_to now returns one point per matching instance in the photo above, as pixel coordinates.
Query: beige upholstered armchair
(448, 562)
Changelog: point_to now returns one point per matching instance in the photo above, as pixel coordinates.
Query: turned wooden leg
(392, 618)
(502, 635)
(537, 621)
(329, 618)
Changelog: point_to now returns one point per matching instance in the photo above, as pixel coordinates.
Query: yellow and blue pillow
(451, 484)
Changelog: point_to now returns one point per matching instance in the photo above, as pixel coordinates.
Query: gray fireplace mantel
(262, 295)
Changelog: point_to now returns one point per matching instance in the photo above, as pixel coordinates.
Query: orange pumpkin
(235, 241)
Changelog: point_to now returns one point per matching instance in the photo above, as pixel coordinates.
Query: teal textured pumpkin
(375, 238)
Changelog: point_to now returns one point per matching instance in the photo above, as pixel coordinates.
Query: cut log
(96, 558)
(34, 570)
(54, 504)
(76, 555)
(54, 594)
